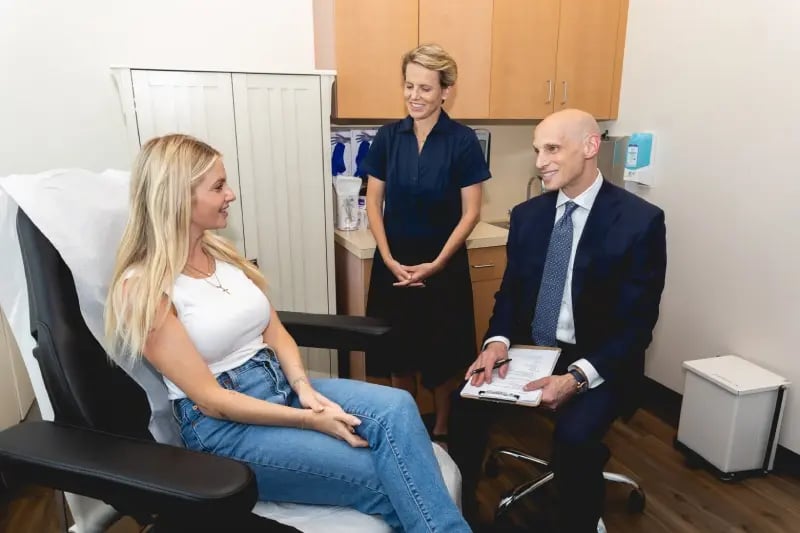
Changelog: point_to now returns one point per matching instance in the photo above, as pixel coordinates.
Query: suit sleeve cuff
(498, 338)
(595, 379)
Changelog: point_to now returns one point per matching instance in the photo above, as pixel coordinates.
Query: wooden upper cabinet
(589, 61)
(517, 59)
(464, 29)
(524, 38)
(371, 38)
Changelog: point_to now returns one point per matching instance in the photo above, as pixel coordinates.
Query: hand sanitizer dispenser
(639, 159)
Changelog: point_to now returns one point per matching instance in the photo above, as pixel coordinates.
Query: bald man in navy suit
(586, 267)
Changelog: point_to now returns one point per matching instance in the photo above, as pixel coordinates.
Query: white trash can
(731, 415)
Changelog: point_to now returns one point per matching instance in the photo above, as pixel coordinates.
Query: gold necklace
(217, 285)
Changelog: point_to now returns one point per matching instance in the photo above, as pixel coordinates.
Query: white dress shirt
(565, 332)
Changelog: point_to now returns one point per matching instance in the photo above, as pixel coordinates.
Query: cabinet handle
(564, 86)
(485, 265)
(549, 92)
(254, 261)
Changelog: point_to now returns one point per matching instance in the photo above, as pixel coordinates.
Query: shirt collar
(442, 123)
(586, 198)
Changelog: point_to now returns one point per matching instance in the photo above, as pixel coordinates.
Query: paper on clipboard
(528, 363)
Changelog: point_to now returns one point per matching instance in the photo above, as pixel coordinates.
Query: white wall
(718, 81)
(58, 105)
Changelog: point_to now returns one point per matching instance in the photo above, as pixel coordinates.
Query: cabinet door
(486, 268)
(371, 38)
(524, 39)
(198, 104)
(464, 29)
(590, 43)
(283, 191)
(16, 392)
(9, 402)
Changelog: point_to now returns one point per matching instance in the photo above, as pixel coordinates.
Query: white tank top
(225, 326)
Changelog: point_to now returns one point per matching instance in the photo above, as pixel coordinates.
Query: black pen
(497, 365)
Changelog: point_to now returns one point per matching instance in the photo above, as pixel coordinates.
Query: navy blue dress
(433, 329)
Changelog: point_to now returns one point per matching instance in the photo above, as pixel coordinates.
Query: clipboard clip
(499, 396)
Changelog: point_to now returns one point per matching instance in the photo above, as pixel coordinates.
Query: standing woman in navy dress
(428, 170)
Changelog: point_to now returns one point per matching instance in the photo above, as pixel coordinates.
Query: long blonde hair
(155, 245)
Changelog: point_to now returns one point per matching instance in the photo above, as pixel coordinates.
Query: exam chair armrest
(126, 472)
(338, 332)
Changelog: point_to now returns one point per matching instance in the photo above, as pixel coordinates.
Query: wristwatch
(580, 379)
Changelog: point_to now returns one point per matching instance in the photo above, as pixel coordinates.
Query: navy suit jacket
(617, 280)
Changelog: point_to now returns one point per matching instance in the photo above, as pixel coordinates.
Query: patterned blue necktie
(554, 277)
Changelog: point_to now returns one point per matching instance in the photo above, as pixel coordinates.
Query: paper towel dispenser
(611, 158)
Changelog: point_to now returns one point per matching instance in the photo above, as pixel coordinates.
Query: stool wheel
(492, 467)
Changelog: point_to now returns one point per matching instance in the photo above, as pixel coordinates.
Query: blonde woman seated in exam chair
(183, 298)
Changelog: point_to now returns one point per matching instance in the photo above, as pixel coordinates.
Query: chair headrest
(84, 387)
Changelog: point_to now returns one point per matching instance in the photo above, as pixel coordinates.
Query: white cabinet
(281, 163)
(274, 132)
(16, 392)
(198, 104)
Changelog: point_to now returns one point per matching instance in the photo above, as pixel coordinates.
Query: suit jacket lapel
(603, 214)
(537, 238)
(540, 231)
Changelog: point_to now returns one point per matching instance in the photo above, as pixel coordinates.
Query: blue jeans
(397, 477)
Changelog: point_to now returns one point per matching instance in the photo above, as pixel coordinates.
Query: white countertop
(361, 243)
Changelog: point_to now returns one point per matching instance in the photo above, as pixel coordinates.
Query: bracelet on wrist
(295, 381)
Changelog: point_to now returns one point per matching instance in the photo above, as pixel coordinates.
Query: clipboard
(528, 363)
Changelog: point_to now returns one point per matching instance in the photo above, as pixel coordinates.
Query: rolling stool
(636, 498)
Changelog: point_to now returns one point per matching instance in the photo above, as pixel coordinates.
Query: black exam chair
(99, 445)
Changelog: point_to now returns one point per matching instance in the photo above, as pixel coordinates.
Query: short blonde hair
(433, 57)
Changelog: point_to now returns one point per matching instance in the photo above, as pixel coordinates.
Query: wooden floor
(678, 499)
